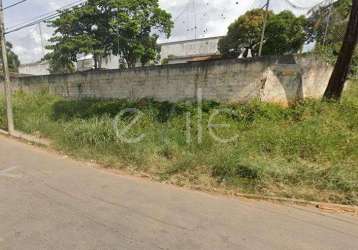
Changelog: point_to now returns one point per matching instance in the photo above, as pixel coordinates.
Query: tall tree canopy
(13, 59)
(127, 28)
(329, 24)
(285, 33)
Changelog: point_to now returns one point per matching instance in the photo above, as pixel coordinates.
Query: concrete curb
(330, 207)
(26, 137)
(4, 132)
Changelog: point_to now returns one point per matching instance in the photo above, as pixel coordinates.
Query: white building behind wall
(171, 53)
(37, 68)
(186, 51)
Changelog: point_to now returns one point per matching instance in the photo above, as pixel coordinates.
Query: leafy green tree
(136, 25)
(328, 26)
(60, 61)
(127, 28)
(13, 59)
(244, 33)
(285, 33)
(329, 23)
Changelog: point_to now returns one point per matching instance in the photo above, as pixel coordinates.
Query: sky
(212, 18)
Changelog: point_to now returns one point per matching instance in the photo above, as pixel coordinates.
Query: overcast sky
(213, 18)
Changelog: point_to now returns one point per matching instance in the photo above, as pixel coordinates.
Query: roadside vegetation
(308, 151)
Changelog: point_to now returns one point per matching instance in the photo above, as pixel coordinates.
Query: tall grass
(306, 151)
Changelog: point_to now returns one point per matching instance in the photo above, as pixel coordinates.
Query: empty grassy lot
(308, 151)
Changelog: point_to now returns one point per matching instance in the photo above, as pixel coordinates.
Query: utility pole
(195, 21)
(328, 23)
(264, 27)
(340, 73)
(7, 83)
(42, 40)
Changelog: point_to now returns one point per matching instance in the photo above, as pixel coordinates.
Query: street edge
(329, 207)
(26, 137)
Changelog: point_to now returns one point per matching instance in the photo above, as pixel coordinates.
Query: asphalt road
(49, 202)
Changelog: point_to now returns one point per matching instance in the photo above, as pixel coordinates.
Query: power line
(53, 14)
(267, 7)
(14, 4)
(9, 31)
(70, 5)
(296, 6)
(42, 18)
(182, 12)
(325, 3)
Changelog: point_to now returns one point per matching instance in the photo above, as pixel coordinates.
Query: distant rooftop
(191, 40)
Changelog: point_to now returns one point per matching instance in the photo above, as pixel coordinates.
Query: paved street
(49, 202)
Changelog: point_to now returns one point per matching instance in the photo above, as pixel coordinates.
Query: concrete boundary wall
(273, 79)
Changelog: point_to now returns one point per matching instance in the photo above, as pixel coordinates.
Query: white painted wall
(39, 68)
(182, 50)
(205, 46)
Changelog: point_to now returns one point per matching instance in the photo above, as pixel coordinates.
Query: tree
(135, 34)
(328, 24)
(75, 34)
(244, 33)
(60, 62)
(285, 33)
(339, 76)
(13, 59)
(127, 28)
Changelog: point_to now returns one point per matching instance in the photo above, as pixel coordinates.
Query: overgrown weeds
(307, 151)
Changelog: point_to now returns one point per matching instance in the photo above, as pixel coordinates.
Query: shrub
(309, 150)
